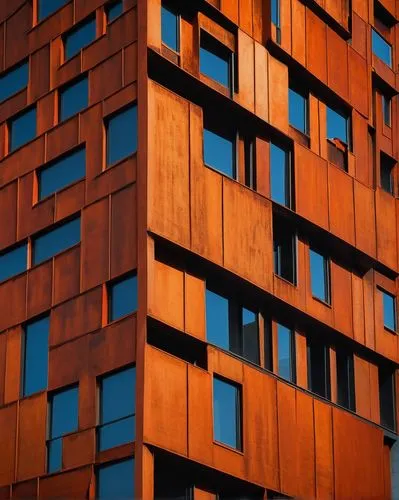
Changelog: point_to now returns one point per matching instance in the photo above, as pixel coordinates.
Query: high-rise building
(199, 258)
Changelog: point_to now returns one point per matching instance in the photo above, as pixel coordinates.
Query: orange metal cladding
(179, 224)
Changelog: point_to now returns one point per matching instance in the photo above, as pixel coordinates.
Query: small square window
(170, 27)
(13, 262)
(216, 61)
(114, 10)
(298, 110)
(320, 276)
(386, 109)
(387, 166)
(280, 176)
(35, 356)
(286, 353)
(219, 152)
(121, 135)
(381, 48)
(79, 37)
(122, 297)
(73, 98)
(284, 243)
(227, 413)
(116, 480)
(14, 80)
(389, 309)
(22, 129)
(47, 7)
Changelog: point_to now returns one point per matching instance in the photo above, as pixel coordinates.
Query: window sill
(229, 448)
(389, 330)
(284, 280)
(34, 266)
(121, 319)
(220, 172)
(48, 197)
(117, 453)
(107, 168)
(323, 302)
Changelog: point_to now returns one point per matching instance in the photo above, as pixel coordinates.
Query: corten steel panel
(8, 422)
(12, 302)
(39, 79)
(78, 449)
(298, 10)
(341, 204)
(106, 78)
(13, 370)
(68, 362)
(8, 210)
(316, 46)
(324, 473)
(74, 484)
(358, 309)
(246, 70)
(39, 289)
(386, 222)
(261, 83)
(341, 282)
(25, 489)
(358, 82)
(278, 93)
(66, 277)
(194, 306)
(337, 63)
(16, 29)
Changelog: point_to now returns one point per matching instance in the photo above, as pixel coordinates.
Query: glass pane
(117, 433)
(54, 457)
(387, 398)
(114, 10)
(386, 109)
(217, 320)
(22, 129)
(74, 98)
(386, 168)
(123, 297)
(118, 393)
(13, 262)
(64, 412)
(285, 361)
(116, 480)
(62, 172)
(381, 48)
(79, 38)
(14, 80)
(389, 311)
(225, 413)
(275, 12)
(297, 111)
(215, 61)
(318, 272)
(285, 255)
(122, 135)
(219, 153)
(36, 356)
(336, 126)
(319, 370)
(250, 335)
(55, 241)
(170, 29)
(47, 7)
(279, 175)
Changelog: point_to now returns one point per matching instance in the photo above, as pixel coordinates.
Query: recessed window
(219, 152)
(14, 80)
(114, 10)
(121, 135)
(13, 262)
(62, 172)
(387, 166)
(63, 409)
(122, 297)
(227, 413)
(381, 48)
(47, 7)
(216, 61)
(284, 243)
(319, 368)
(386, 109)
(389, 310)
(386, 384)
(116, 480)
(74, 98)
(22, 129)
(345, 380)
(55, 241)
(298, 110)
(320, 276)
(117, 409)
(275, 12)
(286, 353)
(170, 27)
(78, 38)
(280, 176)
(35, 356)
(337, 126)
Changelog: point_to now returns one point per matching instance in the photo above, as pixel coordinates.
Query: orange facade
(164, 213)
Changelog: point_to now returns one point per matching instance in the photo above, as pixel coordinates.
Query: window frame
(9, 125)
(289, 182)
(318, 344)
(3, 74)
(108, 6)
(227, 135)
(326, 274)
(388, 375)
(292, 351)
(378, 34)
(90, 19)
(168, 6)
(277, 239)
(239, 434)
(348, 379)
(68, 86)
(395, 310)
(305, 96)
(106, 121)
(110, 286)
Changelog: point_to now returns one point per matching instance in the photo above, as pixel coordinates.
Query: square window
(216, 61)
(121, 135)
(219, 152)
(298, 110)
(227, 413)
(79, 37)
(13, 262)
(286, 353)
(381, 48)
(345, 380)
(35, 356)
(387, 166)
(389, 309)
(114, 10)
(122, 297)
(337, 126)
(14, 80)
(73, 98)
(284, 253)
(319, 368)
(22, 129)
(386, 109)
(47, 7)
(170, 27)
(320, 276)
(116, 480)
(280, 176)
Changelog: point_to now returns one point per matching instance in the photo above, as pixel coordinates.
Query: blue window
(280, 175)
(122, 297)
(227, 413)
(298, 110)
(79, 37)
(63, 408)
(337, 126)
(14, 80)
(74, 98)
(320, 276)
(13, 262)
(55, 241)
(381, 48)
(22, 129)
(117, 409)
(170, 22)
(62, 172)
(116, 480)
(216, 61)
(114, 10)
(47, 7)
(219, 152)
(275, 12)
(217, 320)
(389, 311)
(286, 352)
(36, 356)
(121, 135)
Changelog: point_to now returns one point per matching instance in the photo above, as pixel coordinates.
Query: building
(199, 249)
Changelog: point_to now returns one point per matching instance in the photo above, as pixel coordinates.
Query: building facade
(199, 262)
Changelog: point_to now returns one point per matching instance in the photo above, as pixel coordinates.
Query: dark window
(121, 135)
(114, 10)
(337, 126)
(280, 175)
(47, 7)
(36, 356)
(216, 61)
(80, 37)
(170, 22)
(298, 110)
(389, 304)
(117, 409)
(14, 80)
(319, 368)
(275, 12)
(227, 413)
(386, 109)
(250, 162)
(386, 384)
(116, 480)
(286, 353)
(387, 165)
(284, 254)
(74, 98)
(320, 276)
(62, 172)
(345, 380)
(63, 420)
(55, 241)
(219, 152)
(22, 129)
(122, 297)
(13, 262)
(381, 48)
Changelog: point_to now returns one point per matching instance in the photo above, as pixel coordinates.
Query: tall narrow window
(286, 353)
(386, 109)
(216, 61)
(170, 26)
(47, 7)
(14, 80)
(73, 98)
(298, 110)
(122, 295)
(35, 368)
(386, 384)
(219, 152)
(280, 176)
(80, 37)
(114, 10)
(121, 134)
(116, 480)
(387, 167)
(13, 262)
(345, 380)
(381, 48)
(284, 243)
(22, 129)
(319, 368)
(275, 12)
(320, 276)
(389, 310)
(217, 319)
(227, 413)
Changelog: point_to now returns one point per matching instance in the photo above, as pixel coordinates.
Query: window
(219, 152)
(36, 356)
(47, 7)
(122, 297)
(381, 48)
(386, 384)
(55, 241)
(275, 12)
(386, 109)
(73, 98)
(13, 262)
(280, 176)
(319, 368)
(63, 409)
(286, 353)
(117, 409)
(389, 308)
(320, 276)
(284, 243)
(114, 10)
(62, 172)
(116, 480)
(387, 166)
(337, 126)
(216, 61)
(14, 80)
(79, 37)
(170, 27)
(121, 135)
(345, 380)
(22, 129)
(227, 413)
(298, 110)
